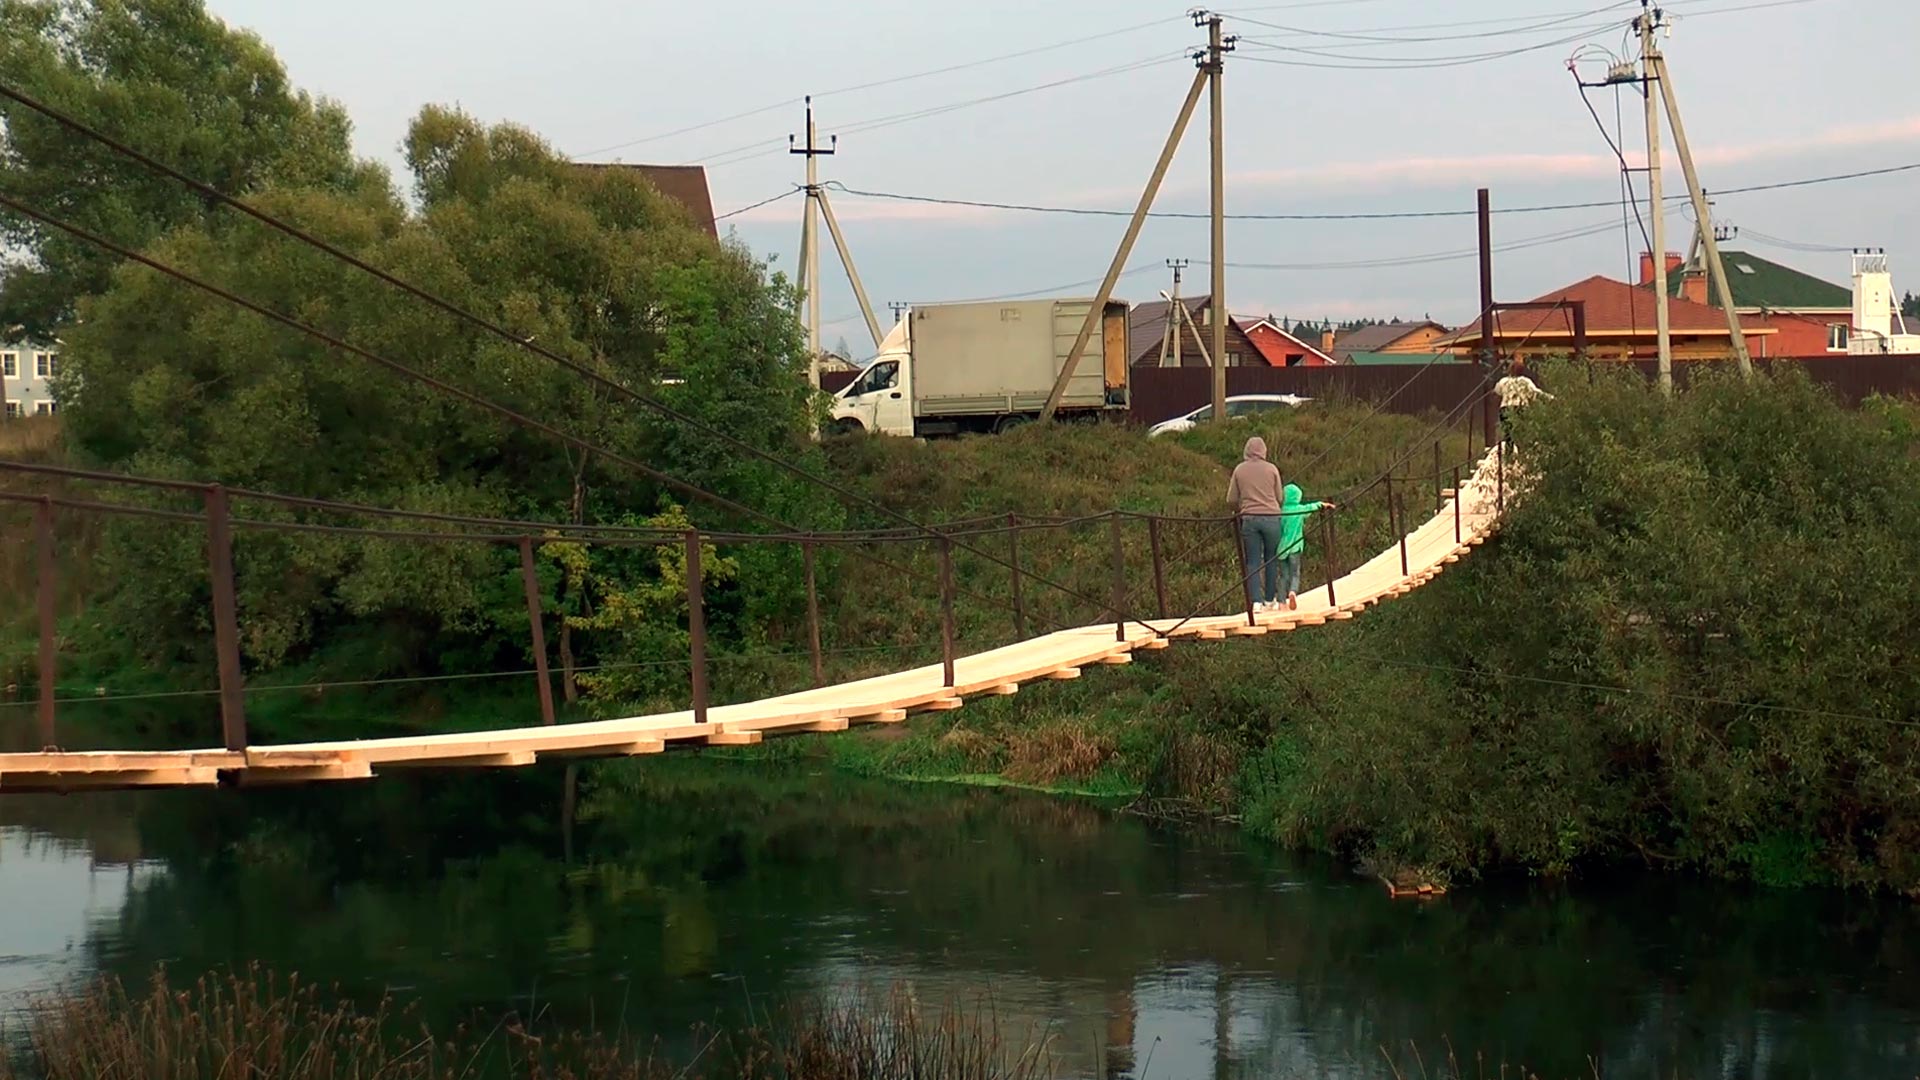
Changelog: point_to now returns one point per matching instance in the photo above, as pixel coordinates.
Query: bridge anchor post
(813, 616)
(1159, 567)
(946, 611)
(530, 583)
(44, 585)
(1119, 578)
(696, 627)
(226, 619)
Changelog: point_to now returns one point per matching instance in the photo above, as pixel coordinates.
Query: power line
(593, 377)
(1386, 215)
(1365, 37)
(890, 81)
(763, 202)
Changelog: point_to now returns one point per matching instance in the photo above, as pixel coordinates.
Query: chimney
(1674, 262)
(1693, 286)
(1326, 339)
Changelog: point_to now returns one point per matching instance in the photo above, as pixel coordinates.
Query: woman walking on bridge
(1254, 493)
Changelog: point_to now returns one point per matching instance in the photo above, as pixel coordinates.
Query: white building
(1878, 326)
(26, 378)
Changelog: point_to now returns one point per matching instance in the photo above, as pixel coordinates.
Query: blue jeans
(1260, 545)
(1290, 574)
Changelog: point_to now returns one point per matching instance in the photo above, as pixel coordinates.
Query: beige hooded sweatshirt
(1255, 488)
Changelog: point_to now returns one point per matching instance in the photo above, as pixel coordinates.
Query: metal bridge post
(1457, 496)
(43, 531)
(1500, 492)
(1333, 560)
(696, 626)
(1159, 566)
(530, 583)
(1013, 560)
(226, 619)
(1400, 528)
(946, 610)
(1246, 582)
(1439, 500)
(813, 616)
(1119, 578)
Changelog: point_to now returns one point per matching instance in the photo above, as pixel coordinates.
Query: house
(1620, 326)
(1278, 347)
(684, 184)
(1153, 345)
(1879, 326)
(1810, 317)
(26, 371)
(1390, 337)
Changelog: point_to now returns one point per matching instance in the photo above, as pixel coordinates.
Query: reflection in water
(698, 891)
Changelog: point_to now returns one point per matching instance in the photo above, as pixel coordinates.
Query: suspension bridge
(1467, 514)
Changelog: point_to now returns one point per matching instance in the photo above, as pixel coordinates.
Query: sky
(1330, 107)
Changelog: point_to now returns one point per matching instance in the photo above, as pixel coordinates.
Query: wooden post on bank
(946, 611)
(813, 617)
(530, 583)
(45, 587)
(226, 619)
(696, 626)
(1119, 578)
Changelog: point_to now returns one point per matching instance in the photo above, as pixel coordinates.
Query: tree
(1910, 306)
(163, 76)
(593, 264)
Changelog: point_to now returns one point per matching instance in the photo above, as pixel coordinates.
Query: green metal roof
(1399, 358)
(1758, 283)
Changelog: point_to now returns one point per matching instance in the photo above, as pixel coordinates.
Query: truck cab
(877, 402)
(880, 401)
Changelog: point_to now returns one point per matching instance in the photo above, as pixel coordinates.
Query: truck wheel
(1008, 423)
(845, 427)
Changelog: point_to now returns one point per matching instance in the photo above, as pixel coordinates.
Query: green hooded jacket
(1293, 521)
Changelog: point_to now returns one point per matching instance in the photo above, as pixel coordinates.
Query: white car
(1239, 407)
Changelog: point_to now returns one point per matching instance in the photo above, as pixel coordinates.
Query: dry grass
(1054, 752)
(32, 439)
(256, 1025)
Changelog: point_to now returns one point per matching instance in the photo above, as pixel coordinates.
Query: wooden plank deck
(883, 699)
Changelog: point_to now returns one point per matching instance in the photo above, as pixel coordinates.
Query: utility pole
(1217, 49)
(1650, 21)
(1120, 255)
(1176, 314)
(810, 242)
(1647, 23)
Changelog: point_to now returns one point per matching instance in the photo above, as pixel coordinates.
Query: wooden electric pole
(1208, 63)
(809, 269)
(1703, 214)
(1657, 206)
(1217, 49)
(1176, 314)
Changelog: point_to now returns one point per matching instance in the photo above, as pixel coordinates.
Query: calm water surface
(692, 891)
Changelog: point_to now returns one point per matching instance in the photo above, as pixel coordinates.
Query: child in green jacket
(1293, 539)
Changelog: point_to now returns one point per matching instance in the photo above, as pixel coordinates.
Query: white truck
(948, 369)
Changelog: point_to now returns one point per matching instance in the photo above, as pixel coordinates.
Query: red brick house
(1620, 326)
(1279, 348)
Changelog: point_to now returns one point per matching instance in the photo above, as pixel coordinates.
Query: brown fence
(834, 381)
(1163, 393)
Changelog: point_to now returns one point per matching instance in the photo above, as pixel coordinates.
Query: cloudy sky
(1344, 107)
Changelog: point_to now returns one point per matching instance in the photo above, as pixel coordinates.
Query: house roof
(1364, 359)
(1613, 309)
(1377, 337)
(1248, 326)
(1761, 283)
(684, 184)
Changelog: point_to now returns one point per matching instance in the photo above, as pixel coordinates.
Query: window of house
(1836, 337)
(10, 364)
(1295, 359)
(43, 365)
(13, 408)
(45, 408)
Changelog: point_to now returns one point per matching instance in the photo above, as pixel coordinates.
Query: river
(689, 890)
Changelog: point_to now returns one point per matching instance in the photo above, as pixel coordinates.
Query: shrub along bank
(1690, 647)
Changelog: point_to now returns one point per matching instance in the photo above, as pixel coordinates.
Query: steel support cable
(594, 377)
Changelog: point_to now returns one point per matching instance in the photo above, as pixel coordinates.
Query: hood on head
(1290, 495)
(1256, 449)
